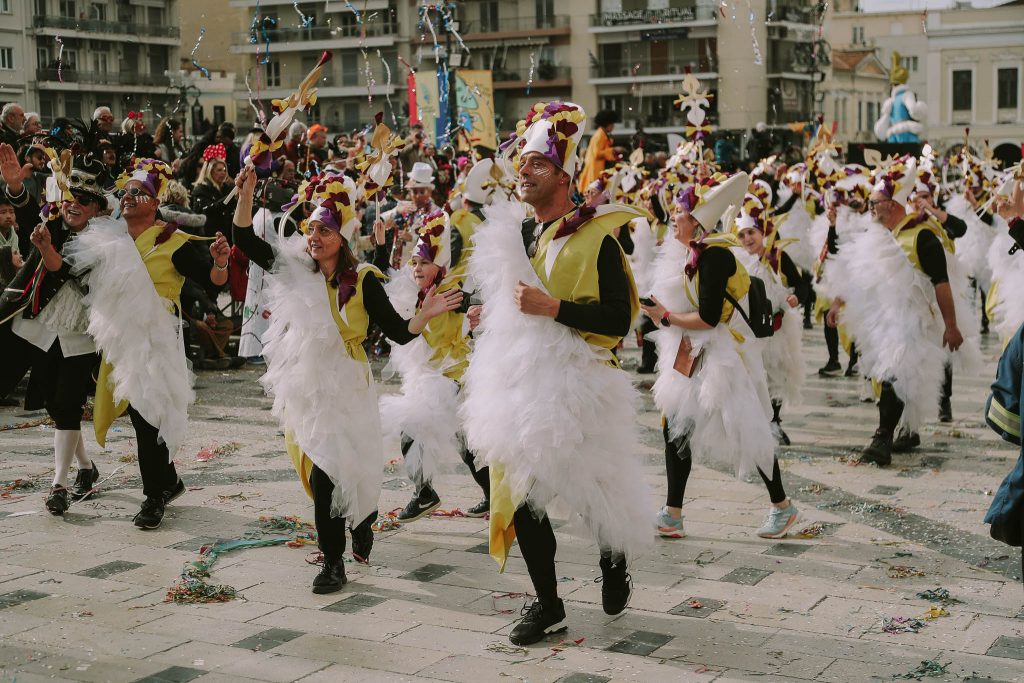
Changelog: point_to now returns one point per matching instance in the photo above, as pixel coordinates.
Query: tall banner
(474, 100)
(410, 86)
(428, 104)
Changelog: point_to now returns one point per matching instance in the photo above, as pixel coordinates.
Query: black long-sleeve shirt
(794, 278)
(612, 315)
(714, 269)
(194, 264)
(932, 256)
(375, 299)
(955, 227)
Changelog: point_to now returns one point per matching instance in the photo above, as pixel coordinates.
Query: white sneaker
(779, 522)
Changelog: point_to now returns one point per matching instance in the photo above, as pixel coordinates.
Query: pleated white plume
(134, 328)
(890, 309)
(1008, 282)
(796, 225)
(324, 397)
(642, 259)
(542, 404)
(725, 406)
(972, 248)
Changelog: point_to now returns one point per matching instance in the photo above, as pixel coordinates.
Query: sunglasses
(133, 192)
(85, 199)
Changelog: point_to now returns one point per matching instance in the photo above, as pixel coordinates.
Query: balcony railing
(515, 24)
(319, 33)
(543, 72)
(668, 15)
(70, 75)
(794, 12)
(95, 26)
(644, 67)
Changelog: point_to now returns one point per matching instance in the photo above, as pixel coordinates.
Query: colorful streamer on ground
(195, 63)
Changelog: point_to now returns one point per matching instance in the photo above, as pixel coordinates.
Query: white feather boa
(1008, 280)
(890, 309)
(783, 351)
(134, 328)
(542, 404)
(796, 225)
(322, 396)
(642, 258)
(725, 406)
(972, 248)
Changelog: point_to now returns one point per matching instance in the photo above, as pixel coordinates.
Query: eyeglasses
(133, 192)
(872, 203)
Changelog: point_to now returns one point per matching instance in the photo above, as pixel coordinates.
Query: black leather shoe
(905, 441)
(84, 481)
(615, 585)
(151, 513)
(879, 451)
(331, 578)
(831, 369)
(480, 509)
(538, 621)
(57, 501)
(362, 539)
(945, 411)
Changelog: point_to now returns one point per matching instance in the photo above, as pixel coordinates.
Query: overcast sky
(891, 5)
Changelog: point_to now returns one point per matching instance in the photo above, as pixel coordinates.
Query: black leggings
(73, 382)
(832, 343)
(890, 409)
(481, 476)
(678, 462)
(330, 531)
(155, 464)
(537, 543)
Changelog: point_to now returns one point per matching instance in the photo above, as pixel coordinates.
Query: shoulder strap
(736, 306)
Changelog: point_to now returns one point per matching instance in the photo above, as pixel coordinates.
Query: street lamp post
(183, 91)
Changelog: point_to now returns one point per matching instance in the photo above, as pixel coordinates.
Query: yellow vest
(353, 325)
(907, 238)
(465, 222)
(168, 282)
(444, 334)
(737, 285)
(574, 274)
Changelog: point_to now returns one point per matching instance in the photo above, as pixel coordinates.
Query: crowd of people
(501, 289)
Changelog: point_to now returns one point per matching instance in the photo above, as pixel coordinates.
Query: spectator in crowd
(232, 154)
(168, 143)
(33, 124)
(318, 151)
(412, 153)
(175, 209)
(212, 186)
(295, 147)
(9, 236)
(12, 119)
(10, 261)
(209, 329)
(601, 149)
(107, 155)
(134, 141)
(103, 121)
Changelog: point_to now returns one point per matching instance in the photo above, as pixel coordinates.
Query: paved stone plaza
(83, 598)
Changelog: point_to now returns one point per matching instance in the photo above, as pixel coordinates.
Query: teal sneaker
(668, 526)
(779, 522)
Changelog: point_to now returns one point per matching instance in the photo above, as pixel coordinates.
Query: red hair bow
(215, 152)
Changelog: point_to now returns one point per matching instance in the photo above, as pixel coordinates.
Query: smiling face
(424, 273)
(219, 172)
(684, 224)
(140, 206)
(323, 242)
(540, 180)
(885, 210)
(78, 213)
(752, 241)
(32, 126)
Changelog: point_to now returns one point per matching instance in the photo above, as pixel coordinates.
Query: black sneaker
(362, 539)
(879, 451)
(831, 369)
(852, 370)
(57, 501)
(616, 585)
(905, 441)
(84, 481)
(422, 504)
(646, 370)
(331, 578)
(176, 492)
(538, 621)
(945, 411)
(151, 513)
(480, 509)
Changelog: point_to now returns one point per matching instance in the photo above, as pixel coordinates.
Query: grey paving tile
(102, 571)
(882, 490)
(583, 678)
(708, 606)
(1007, 646)
(20, 596)
(483, 548)
(269, 639)
(746, 576)
(640, 643)
(356, 603)
(174, 674)
(787, 549)
(428, 572)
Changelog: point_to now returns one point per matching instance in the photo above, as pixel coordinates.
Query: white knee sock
(84, 462)
(64, 442)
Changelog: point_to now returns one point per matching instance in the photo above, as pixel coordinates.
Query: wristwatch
(665, 322)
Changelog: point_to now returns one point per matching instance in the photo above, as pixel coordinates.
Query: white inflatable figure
(902, 113)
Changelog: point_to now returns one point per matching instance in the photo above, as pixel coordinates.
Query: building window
(219, 114)
(274, 74)
(70, 59)
(5, 6)
(349, 69)
(99, 62)
(909, 63)
(351, 115)
(488, 16)
(1009, 88)
(43, 55)
(67, 8)
(545, 13)
(860, 116)
(871, 112)
(98, 11)
(858, 35)
(962, 87)
(6, 58)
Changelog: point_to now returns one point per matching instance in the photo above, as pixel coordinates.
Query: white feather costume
(545, 408)
(324, 398)
(1005, 304)
(972, 248)
(644, 250)
(255, 314)
(796, 225)
(783, 351)
(725, 406)
(134, 328)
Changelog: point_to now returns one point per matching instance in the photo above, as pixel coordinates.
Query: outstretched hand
(434, 304)
(14, 174)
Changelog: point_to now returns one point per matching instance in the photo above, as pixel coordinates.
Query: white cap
(718, 199)
(421, 175)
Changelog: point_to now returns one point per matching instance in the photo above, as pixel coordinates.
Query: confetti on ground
(9, 487)
(811, 531)
(939, 595)
(41, 422)
(207, 454)
(695, 604)
(934, 612)
(700, 560)
(505, 649)
(455, 512)
(929, 668)
(275, 524)
(495, 597)
(392, 466)
(814, 489)
(902, 625)
(387, 521)
(193, 588)
(902, 571)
